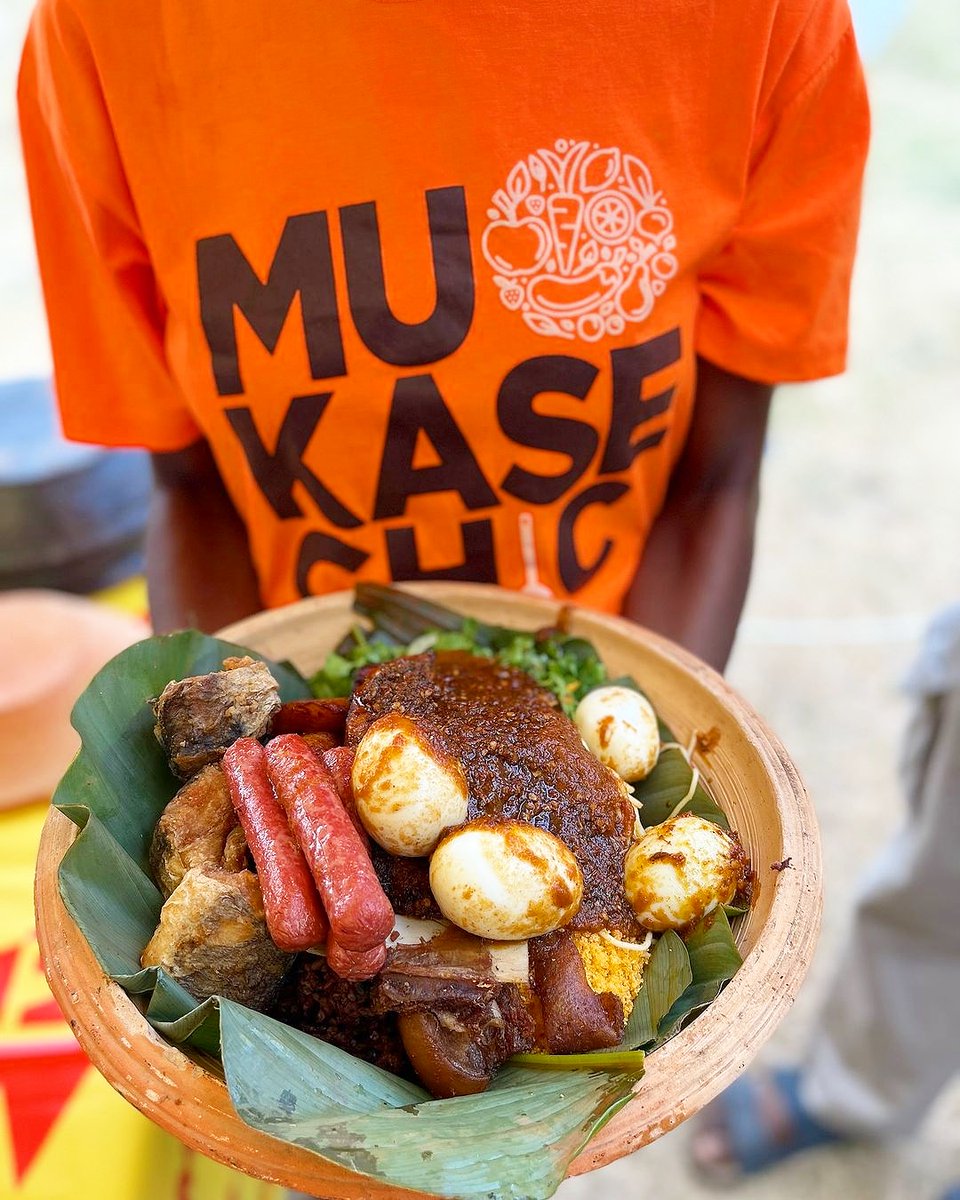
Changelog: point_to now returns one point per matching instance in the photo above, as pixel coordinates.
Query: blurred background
(857, 542)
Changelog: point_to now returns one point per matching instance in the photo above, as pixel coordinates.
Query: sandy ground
(857, 547)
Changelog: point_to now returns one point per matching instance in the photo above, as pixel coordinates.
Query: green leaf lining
(666, 785)
(714, 959)
(513, 1140)
(665, 978)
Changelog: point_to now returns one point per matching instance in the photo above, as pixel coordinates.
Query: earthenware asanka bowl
(749, 774)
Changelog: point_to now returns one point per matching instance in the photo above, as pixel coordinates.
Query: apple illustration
(517, 247)
(654, 222)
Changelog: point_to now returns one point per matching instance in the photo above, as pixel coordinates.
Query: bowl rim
(191, 1101)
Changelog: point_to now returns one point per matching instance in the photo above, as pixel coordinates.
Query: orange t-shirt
(431, 277)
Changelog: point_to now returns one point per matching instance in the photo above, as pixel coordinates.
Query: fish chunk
(213, 938)
(198, 828)
(199, 717)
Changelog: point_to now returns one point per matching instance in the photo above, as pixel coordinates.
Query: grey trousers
(889, 1036)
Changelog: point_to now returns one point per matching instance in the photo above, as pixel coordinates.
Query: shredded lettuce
(567, 666)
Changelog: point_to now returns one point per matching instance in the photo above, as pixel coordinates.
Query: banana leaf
(516, 1140)
(315, 1095)
(714, 956)
(663, 789)
(714, 959)
(666, 977)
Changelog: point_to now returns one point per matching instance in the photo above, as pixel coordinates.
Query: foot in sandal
(758, 1122)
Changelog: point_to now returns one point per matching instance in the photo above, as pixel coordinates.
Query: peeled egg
(408, 789)
(505, 880)
(680, 870)
(619, 727)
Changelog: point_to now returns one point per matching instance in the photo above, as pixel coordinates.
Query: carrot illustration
(565, 210)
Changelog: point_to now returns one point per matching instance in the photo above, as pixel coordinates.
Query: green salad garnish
(403, 624)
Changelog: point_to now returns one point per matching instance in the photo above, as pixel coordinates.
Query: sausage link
(311, 716)
(339, 762)
(355, 965)
(357, 908)
(291, 904)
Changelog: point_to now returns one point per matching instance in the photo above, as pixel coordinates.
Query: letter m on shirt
(302, 264)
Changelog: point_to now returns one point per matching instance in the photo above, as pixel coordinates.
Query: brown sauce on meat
(523, 759)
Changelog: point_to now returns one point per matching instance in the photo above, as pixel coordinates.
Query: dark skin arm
(693, 578)
(199, 571)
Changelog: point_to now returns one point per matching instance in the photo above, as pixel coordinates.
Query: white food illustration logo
(580, 240)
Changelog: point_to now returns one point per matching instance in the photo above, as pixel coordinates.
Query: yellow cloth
(130, 596)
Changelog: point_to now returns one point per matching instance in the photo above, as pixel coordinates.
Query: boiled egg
(505, 880)
(618, 726)
(408, 789)
(680, 870)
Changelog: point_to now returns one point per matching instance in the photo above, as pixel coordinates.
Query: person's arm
(693, 577)
(199, 571)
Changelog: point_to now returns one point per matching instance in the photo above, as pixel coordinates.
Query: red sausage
(311, 716)
(294, 914)
(339, 762)
(357, 908)
(355, 964)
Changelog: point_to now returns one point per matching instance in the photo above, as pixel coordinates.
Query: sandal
(756, 1123)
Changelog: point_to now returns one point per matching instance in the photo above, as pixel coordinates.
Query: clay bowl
(747, 771)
